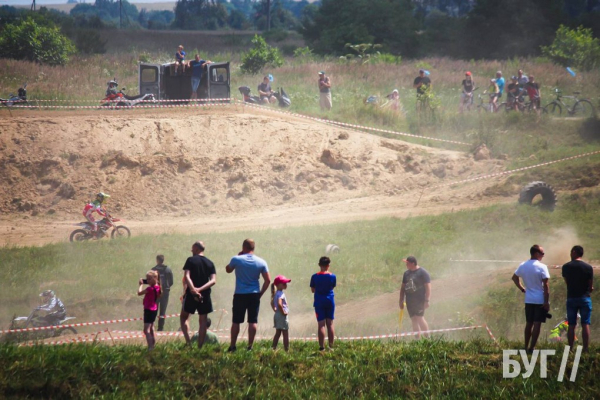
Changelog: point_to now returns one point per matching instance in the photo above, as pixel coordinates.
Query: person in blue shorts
(322, 284)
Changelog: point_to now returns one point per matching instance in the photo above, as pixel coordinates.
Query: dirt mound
(210, 162)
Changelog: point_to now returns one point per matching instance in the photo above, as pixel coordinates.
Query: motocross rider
(55, 309)
(95, 206)
(111, 90)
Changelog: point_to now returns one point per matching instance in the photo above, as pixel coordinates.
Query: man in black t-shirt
(416, 287)
(265, 92)
(421, 83)
(579, 277)
(200, 276)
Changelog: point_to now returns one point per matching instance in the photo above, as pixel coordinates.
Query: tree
(199, 14)
(260, 56)
(29, 41)
(574, 47)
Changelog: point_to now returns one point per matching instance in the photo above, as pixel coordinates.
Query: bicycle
(581, 107)
(486, 106)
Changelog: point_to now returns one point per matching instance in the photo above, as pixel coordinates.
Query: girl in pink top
(151, 294)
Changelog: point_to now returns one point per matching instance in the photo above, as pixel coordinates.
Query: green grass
(98, 280)
(422, 369)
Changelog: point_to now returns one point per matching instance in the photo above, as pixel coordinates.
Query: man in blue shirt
(322, 284)
(197, 65)
(248, 269)
(500, 82)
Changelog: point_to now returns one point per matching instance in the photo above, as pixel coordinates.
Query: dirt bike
(248, 97)
(282, 97)
(86, 232)
(121, 99)
(19, 100)
(34, 321)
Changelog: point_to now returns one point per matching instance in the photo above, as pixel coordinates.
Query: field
(295, 186)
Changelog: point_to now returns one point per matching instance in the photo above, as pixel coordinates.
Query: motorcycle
(282, 97)
(121, 99)
(86, 232)
(20, 99)
(248, 97)
(36, 321)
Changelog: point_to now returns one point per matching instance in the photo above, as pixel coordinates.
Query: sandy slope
(226, 168)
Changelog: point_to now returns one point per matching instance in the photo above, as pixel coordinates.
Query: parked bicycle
(485, 103)
(581, 107)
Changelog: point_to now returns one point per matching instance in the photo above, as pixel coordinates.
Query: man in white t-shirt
(537, 293)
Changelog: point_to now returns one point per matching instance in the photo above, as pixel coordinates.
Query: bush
(89, 42)
(259, 56)
(576, 48)
(387, 58)
(30, 41)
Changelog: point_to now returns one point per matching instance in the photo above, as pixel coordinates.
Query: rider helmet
(47, 293)
(112, 83)
(101, 196)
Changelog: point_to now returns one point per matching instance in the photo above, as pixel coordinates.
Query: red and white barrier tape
(125, 107)
(591, 153)
(343, 124)
(112, 321)
(116, 101)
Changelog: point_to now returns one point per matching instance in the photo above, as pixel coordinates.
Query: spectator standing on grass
(535, 276)
(494, 93)
(166, 280)
(533, 91)
(200, 275)
(500, 83)
(248, 269)
(422, 83)
(280, 306)
(522, 79)
(322, 284)
(466, 96)
(151, 295)
(197, 65)
(324, 92)
(416, 289)
(265, 92)
(579, 277)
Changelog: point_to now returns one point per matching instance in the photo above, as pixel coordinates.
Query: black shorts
(191, 305)
(535, 313)
(150, 316)
(416, 308)
(243, 302)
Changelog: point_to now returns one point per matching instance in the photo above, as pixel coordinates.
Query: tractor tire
(533, 189)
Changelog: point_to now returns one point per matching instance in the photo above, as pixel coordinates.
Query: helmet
(47, 293)
(112, 83)
(101, 196)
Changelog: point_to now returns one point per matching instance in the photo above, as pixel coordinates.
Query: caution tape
(124, 107)
(344, 124)
(591, 153)
(488, 261)
(116, 101)
(112, 321)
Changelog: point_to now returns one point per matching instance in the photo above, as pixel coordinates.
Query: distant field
(158, 6)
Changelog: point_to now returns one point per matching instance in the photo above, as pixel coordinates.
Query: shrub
(259, 56)
(574, 47)
(89, 42)
(387, 58)
(30, 41)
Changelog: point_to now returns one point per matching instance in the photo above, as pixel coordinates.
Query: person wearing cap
(322, 284)
(265, 92)
(248, 269)
(416, 291)
(535, 276)
(466, 97)
(421, 83)
(325, 91)
(280, 306)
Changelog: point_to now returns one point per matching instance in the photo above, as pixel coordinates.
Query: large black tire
(65, 331)
(120, 232)
(79, 235)
(583, 108)
(533, 189)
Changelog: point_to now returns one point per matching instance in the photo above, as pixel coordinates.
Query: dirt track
(214, 170)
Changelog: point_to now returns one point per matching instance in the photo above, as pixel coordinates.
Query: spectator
(180, 60)
(280, 306)
(494, 93)
(394, 99)
(265, 92)
(500, 83)
(200, 275)
(151, 294)
(248, 269)
(422, 83)
(522, 79)
(579, 277)
(322, 284)
(513, 93)
(416, 288)
(54, 308)
(197, 65)
(533, 91)
(466, 97)
(166, 280)
(324, 92)
(210, 338)
(537, 294)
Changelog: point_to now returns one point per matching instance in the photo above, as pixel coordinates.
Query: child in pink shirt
(151, 294)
